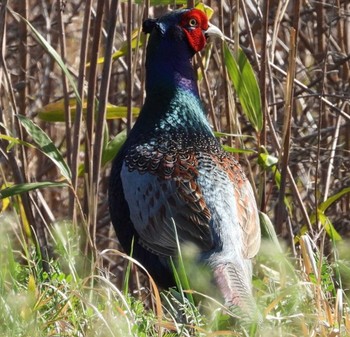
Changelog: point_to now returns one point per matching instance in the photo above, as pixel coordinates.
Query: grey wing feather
(156, 205)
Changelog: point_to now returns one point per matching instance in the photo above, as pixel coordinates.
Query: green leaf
(46, 145)
(226, 134)
(328, 226)
(266, 160)
(246, 86)
(331, 200)
(269, 163)
(13, 140)
(109, 152)
(113, 147)
(236, 150)
(324, 219)
(52, 52)
(162, 2)
(26, 187)
(277, 174)
(54, 112)
(206, 9)
(116, 112)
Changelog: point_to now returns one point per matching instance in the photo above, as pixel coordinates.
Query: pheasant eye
(192, 22)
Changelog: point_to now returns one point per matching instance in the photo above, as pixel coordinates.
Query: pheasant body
(172, 177)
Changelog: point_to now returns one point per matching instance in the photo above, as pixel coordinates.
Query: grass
(62, 272)
(296, 297)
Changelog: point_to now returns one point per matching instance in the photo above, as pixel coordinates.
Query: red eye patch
(195, 14)
(193, 23)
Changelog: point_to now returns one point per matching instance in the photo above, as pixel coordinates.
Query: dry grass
(299, 164)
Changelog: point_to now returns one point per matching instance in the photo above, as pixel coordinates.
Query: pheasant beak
(214, 32)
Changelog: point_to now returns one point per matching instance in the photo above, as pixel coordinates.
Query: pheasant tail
(235, 286)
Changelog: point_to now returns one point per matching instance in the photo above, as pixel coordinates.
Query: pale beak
(214, 31)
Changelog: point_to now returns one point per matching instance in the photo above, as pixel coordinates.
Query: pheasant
(172, 179)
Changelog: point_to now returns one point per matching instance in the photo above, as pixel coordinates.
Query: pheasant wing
(165, 201)
(247, 211)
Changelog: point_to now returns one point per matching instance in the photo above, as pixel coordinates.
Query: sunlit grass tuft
(296, 296)
(61, 302)
(300, 296)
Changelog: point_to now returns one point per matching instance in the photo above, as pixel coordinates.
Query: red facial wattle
(194, 23)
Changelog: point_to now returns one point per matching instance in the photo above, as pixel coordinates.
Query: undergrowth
(72, 298)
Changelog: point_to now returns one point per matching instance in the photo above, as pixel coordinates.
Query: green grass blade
(26, 187)
(181, 270)
(176, 276)
(127, 273)
(246, 86)
(268, 231)
(46, 145)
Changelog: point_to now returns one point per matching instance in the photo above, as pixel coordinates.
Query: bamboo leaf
(226, 134)
(331, 200)
(113, 147)
(206, 9)
(13, 140)
(54, 112)
(46, 145)
(266, 160)
(328, 226)
(26, 187)
(116, 112)
(324, 219)
(162, 2)
(109, 152)
(24, 218)
(246, 86)
(5, 201)
(236, 150)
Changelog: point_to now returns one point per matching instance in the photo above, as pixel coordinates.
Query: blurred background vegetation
(71, 84)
